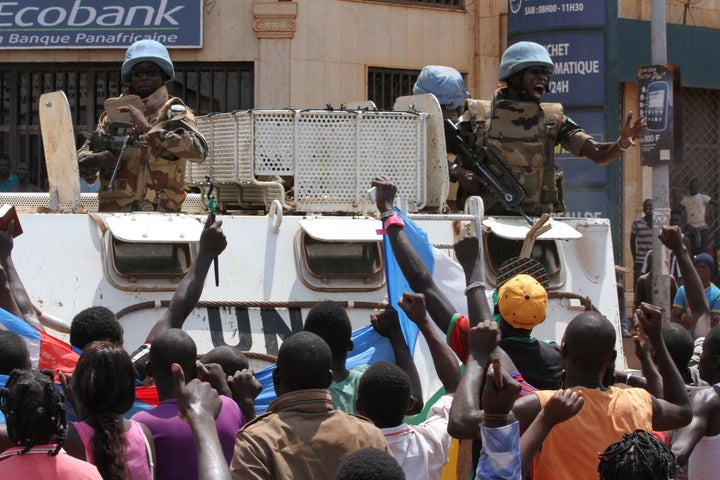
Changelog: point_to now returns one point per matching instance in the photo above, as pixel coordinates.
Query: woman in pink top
(104, 385)
(35, 414)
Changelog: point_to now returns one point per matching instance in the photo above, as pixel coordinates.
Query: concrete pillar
(275, 27)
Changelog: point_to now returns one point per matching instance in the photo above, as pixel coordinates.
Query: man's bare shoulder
(705, 402)
(709, 395)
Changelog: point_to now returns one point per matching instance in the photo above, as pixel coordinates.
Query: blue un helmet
(522, 55)
(147, 51)
(445, 83)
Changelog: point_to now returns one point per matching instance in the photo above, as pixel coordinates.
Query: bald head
(231, 359)
(589, 341)
(172, 346)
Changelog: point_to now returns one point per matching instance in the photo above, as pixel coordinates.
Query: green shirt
(344, 394)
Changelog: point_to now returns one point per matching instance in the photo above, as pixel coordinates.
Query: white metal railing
(327, 157)
(30, 202)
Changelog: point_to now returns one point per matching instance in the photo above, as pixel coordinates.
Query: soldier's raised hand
(138, 118)
(631, 130)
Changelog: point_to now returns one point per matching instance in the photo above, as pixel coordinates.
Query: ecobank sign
(99, 23)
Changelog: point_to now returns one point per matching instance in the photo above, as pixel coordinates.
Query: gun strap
(152, 177)
(476, 116)
(552, 121)
(111, 183)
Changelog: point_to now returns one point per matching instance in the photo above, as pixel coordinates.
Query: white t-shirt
(695, 206)
(704, 461)
(422, 450)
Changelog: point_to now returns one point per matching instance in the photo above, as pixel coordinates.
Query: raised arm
(22, 299)
(245, 388)
(465, 412)
(500, 454)
(7, 300)
(412, 266)
(651, 379)
(483, 339)
(671, 237)
(673, 411)
(386, 323)
(179, 134)
(444, 360)
(188, 291)
(199, 405)
(605, 153)
(467, 251)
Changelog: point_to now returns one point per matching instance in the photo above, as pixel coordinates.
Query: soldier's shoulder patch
(570, 120)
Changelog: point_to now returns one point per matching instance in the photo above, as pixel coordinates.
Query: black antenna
(687, 8)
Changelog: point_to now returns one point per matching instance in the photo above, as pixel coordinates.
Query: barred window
(205, 87)
(701, 150)
(386, 84)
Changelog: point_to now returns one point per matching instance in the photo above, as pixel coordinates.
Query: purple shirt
(175, 452)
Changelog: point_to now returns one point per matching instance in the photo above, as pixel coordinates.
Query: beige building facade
(309, 53)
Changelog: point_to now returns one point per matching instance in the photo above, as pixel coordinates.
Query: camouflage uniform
(524, 134)
(152, 173)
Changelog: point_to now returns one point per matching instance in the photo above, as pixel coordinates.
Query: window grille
(205, 87)
(450, 4)
(701, 150)
(386, 84)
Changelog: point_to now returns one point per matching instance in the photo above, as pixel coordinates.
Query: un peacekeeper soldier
(447, 85)
(150, 175)
(523, 133)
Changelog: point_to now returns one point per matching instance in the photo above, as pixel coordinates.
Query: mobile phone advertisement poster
(659, 101)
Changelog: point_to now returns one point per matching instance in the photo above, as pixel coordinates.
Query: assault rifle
(114, 139)
(119, 136)
(488, 166)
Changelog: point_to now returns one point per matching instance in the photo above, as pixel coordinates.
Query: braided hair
(637, 456)
(34, 409)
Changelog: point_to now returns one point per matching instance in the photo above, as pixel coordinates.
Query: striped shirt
(643, 238)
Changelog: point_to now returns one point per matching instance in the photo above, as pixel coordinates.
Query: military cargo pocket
(120, 190)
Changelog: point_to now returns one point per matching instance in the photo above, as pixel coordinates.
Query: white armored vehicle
(291, 191)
